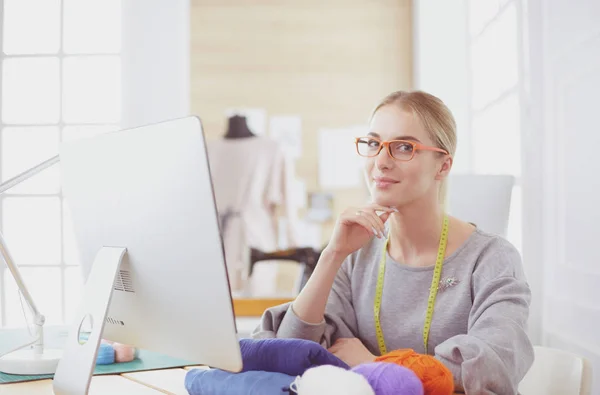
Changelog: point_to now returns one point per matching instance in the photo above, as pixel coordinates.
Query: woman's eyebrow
(410, 138)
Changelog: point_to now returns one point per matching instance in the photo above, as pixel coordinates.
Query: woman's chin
(385, 200)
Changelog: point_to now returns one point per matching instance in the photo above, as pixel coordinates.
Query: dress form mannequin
(238, 128)
(251, 176)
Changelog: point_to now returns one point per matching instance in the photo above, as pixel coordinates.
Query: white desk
(101, 385)
(153, 382)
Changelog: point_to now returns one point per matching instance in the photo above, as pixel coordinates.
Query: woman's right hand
(356, 226)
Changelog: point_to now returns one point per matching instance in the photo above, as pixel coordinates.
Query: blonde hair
(435, 116)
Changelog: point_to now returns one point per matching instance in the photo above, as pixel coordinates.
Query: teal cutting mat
(55, 336)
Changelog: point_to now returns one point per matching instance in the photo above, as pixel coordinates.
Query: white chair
(481, 199)
(557, 372)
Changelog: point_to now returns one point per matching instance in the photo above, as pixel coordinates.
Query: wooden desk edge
(255, 307)
(132, 377)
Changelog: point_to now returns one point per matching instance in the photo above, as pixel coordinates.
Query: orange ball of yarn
(435, 376)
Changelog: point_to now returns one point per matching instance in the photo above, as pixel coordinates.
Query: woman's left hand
(351, 351)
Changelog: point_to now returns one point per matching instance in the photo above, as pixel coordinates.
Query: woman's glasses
(398, 149)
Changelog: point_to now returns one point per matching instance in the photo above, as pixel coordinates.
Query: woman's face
(396, 183)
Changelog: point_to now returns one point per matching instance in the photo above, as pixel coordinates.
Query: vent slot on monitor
(114, 321)
(123, 282)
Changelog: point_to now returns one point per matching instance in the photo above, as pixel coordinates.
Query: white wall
(440, 63)
(565, 75)
(155, 61)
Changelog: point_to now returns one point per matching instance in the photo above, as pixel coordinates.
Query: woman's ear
(444, 168)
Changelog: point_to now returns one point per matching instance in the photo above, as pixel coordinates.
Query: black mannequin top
(238, 128)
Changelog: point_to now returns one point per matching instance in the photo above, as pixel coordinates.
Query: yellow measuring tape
(437, 272)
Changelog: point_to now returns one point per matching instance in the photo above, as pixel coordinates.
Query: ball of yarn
(390, 379)
(123, 352)
(435, 376)
(332, 380)
(106, 354)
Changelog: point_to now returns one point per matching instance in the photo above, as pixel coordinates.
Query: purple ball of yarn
(390, 379)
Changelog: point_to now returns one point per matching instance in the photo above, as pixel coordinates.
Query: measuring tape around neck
(437, 272)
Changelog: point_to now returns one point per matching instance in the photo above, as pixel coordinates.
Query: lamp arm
(28, 174)
(14, 270)
(39, 319)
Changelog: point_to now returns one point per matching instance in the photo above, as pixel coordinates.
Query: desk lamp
(31, 358)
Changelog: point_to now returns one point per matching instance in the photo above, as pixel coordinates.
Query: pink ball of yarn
(123, 352)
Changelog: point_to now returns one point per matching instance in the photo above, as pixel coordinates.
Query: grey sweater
(479, 321)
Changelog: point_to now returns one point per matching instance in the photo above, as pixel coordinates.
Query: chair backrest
(481, 199)
(557, 372)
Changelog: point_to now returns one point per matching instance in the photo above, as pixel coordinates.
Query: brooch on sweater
(447, 283)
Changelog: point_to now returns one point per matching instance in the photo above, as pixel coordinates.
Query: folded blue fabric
(289, 356)
(220, 382)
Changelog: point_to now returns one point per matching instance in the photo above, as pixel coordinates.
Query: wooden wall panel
(329, 62)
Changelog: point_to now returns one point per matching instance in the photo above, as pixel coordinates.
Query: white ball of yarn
(332, 380)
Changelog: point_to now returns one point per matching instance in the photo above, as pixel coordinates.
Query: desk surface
(100, 385)
(155, 382)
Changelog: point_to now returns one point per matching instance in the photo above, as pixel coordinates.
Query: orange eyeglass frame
(416, 147)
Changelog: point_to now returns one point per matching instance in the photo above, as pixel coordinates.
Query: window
(496, 80)
(60, 79)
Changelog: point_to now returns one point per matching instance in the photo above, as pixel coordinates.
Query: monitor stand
(76, 367)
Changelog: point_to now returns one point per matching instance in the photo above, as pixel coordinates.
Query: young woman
(401, 273)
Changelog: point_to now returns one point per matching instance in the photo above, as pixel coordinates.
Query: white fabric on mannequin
(251, 178)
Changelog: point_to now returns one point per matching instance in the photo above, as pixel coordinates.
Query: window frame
(61, 125)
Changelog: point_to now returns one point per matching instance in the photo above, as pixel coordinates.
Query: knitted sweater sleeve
(339, 320)
(496, 353)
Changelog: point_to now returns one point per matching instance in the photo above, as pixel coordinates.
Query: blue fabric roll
(289, 356)
(106, 354)
(220, 382)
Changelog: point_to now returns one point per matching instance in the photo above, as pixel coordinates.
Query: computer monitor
(145, 221)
